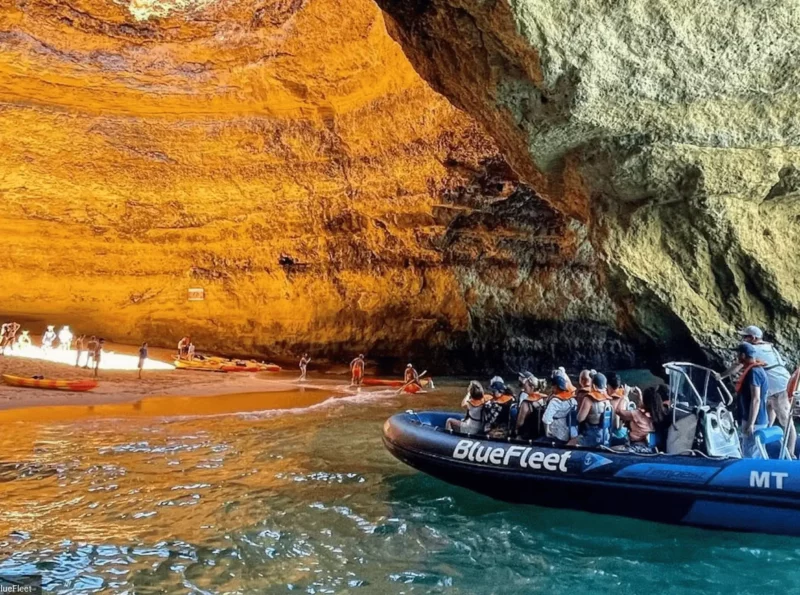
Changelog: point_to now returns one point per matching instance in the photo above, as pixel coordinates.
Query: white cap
(752, 331)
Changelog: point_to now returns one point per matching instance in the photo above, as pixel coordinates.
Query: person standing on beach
(304, 361)
(357, 370)
(80, 346)
(97, 353)
(91, 347)
(142, 358)
(48, 338)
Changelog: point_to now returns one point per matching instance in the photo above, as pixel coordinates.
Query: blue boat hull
(730, 494)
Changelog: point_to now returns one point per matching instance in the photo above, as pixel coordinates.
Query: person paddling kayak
(411, 376)
(357, 370)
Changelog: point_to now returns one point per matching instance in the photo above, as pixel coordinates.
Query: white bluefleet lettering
(496, 460)
(471, 456)
(562, 466)
(462, 449)
(513, 451)
(551, 461)
(523, 459)
(482, 454)
(535, 462)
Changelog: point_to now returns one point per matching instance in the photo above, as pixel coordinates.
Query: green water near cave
(308, 500)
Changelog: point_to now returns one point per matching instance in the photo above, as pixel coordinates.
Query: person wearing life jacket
(639, 420)
(751, 392)
(497, 413)
(473, 422)
(595, 414)
(618, 393)
(559, 417)
(778, 402)
(532, 403)
(584, 385)
(357, 370)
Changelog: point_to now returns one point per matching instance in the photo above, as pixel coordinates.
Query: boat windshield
(691, 386)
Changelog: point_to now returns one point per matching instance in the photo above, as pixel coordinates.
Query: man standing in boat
(357, 370)
(751, 391)
(778, 404)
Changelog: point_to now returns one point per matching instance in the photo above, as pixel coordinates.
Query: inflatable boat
(689, 488)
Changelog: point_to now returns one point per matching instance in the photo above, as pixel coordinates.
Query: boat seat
(769, 442)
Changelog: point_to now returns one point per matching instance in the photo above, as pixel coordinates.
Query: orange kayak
(67, 385)
(243, 367)
(382, 382)
(269, 367)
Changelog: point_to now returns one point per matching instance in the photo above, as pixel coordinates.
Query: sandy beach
(124, 386)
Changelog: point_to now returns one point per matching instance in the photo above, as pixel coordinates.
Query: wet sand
(118, 387)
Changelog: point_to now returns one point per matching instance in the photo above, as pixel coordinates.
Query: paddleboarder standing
(304, 361)
(357, 370)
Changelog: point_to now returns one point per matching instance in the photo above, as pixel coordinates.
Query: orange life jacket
(740, 383)
(618, 392)
(597, 395)
(536, 397)
(565, 395)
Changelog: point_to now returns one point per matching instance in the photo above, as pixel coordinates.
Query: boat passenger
(640, 420)
(559, 416)
(497, 414)
(751, 390)
(497, 385)
(595, 414)
(357, 370)
(654, 402)
(584, 385)
(778, 398)
(531, 407)
(411, 376)
(190, 352)
(473, 422)
(618, 393)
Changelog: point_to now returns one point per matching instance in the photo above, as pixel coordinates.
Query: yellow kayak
(198, 365)
(50, 384)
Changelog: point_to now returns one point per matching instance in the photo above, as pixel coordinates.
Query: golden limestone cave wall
(149, 147)
(669, 127)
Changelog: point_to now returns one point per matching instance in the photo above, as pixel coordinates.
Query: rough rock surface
(668, 127)
(284, 156)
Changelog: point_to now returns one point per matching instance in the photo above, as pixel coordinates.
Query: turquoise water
(309, 501)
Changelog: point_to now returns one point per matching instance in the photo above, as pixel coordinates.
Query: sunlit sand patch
(108, 361)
